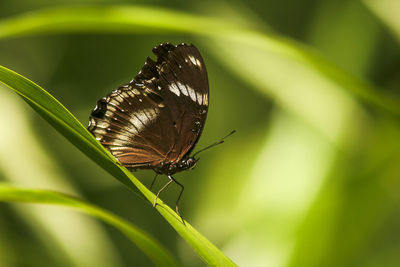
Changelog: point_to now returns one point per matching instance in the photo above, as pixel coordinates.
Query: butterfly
(155, 121)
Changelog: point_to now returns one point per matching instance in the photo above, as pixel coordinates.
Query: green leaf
(151, 247)
(64, 122)
(102, 19)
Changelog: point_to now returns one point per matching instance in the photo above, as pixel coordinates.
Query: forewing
(183, 84)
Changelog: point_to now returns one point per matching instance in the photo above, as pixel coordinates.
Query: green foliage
(158, 254)
(309, 180)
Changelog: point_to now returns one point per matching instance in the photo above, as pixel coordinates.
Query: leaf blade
(152, 248)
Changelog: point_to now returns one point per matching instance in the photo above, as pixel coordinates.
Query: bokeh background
(311, 178)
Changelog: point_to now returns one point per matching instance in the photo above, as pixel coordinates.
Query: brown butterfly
(155, 121)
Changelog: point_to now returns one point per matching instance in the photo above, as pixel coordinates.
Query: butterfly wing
(158, 117)
(183, 83)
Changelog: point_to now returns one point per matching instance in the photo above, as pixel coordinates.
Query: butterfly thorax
(170, 168)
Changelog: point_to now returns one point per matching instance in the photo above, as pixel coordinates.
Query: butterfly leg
(159, 192)
(179, 197)
(154, 180)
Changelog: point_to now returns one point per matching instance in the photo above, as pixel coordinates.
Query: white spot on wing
(132, 129)
(103, 124)
(124, 94)
(118, 142)
(191, 58)
(131, 94)
(187, 91)
(142, 118)
(109, 113)
(118, 98)
(174, 89)
(100, 131)
(199, 98)
(139, 125)
(198, 63)
(192, 93)
(182, 88)
(122, 137)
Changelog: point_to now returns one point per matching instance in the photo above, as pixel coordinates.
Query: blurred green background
(311, 178)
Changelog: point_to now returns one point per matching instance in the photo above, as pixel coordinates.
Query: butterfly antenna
(216, 143)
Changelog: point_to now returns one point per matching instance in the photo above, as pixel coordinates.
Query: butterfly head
(187, 163)
(190, 163)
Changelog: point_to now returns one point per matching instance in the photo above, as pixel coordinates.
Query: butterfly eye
(190, 163)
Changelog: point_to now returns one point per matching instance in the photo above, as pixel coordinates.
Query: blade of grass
(151, 247)
(101, 19)
(64, 122)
